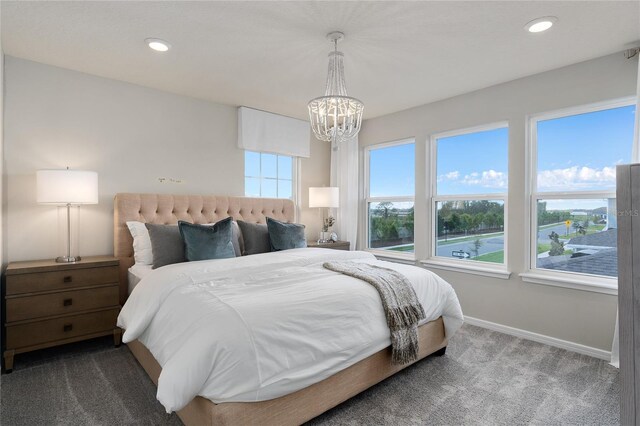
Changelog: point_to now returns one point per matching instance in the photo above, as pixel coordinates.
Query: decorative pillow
(141, 243)
(207, 242)
(236, 239)
(285, 236)
(166, 244)
(255, 237)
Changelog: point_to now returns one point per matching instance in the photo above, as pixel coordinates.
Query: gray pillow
(167, 245)
(285, 236)
(236, 239)
(170, 245)
(255, 237)
(203, 242)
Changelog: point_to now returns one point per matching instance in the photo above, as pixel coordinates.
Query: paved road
(560, 229)
(490, 244)
(494, 243)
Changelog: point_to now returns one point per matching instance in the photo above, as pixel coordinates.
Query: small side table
(337, 245)
(49, 304)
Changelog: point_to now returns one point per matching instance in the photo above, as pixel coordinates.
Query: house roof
(608, 238)
(605, 262)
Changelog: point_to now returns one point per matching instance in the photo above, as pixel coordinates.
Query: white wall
(577, 316)
(130, 135)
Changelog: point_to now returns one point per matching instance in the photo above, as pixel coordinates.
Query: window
(573, 206)
(390, 197)
(470, 181)
(268, 175)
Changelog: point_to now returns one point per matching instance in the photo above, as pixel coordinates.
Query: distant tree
(581, 227)
(490, 220)
(466, 222)
(384, 228)
(477, 243)
(557, 246)
(454, 222)
(409, 220)
(385, 208)
(478, 220)
(576, 225)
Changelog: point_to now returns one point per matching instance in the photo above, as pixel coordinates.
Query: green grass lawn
(550, 225)
(470, 238)
(542, 248)
(403, 248)
(494, 257)
(590, 230)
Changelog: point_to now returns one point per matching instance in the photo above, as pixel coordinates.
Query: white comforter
(258, 327)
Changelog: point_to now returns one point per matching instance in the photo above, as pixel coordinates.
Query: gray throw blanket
(399, 301)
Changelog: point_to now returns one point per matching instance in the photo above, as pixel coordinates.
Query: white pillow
(141, 243)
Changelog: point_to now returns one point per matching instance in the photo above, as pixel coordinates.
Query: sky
(267, 175)
(473, 163)
(392, 171)
(578, 152)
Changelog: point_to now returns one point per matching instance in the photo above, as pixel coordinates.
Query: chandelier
(335, 117)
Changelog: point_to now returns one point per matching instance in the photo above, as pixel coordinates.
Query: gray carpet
(486, 378)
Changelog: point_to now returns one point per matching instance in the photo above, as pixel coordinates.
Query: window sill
(394, 257)
(475, 269)
(584, 283)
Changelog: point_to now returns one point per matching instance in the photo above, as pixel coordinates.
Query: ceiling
(273, 55)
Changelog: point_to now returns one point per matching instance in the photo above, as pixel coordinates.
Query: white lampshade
(324, 197)
(67, 187)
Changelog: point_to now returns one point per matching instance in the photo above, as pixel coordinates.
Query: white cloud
(576, 178)
(487, 179)
(454, 175)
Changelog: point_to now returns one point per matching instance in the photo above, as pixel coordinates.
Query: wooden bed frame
(292, 409)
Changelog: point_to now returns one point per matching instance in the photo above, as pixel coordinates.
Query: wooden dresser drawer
(38, 332)
(60, 280)
(42, 305)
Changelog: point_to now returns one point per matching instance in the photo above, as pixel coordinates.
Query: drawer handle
(67, 279)
(67, 327)
(67, 302)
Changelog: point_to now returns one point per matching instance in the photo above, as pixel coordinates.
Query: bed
(282, 397)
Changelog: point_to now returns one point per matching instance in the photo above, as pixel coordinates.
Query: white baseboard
(540, 338)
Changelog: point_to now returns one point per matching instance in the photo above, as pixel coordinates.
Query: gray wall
(577, 316)
(130, 135)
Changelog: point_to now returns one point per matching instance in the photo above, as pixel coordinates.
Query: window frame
(407, 256)
(533, 274)
(495, 270)
(295, 173)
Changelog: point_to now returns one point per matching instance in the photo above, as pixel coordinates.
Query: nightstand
(338, 245)
(49, 304)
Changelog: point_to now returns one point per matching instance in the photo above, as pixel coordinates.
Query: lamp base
(68, 259)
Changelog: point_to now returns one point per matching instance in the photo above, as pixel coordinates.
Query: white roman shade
(267, 132)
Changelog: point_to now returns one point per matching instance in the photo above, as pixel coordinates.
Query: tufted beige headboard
(169, 209)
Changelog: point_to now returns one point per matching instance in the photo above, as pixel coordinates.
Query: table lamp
(67, 188)
(325, 197)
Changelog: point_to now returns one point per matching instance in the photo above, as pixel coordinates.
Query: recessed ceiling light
(541, 24)
(157, 44)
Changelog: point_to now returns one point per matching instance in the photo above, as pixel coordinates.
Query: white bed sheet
(262, 326)
(137, 272)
